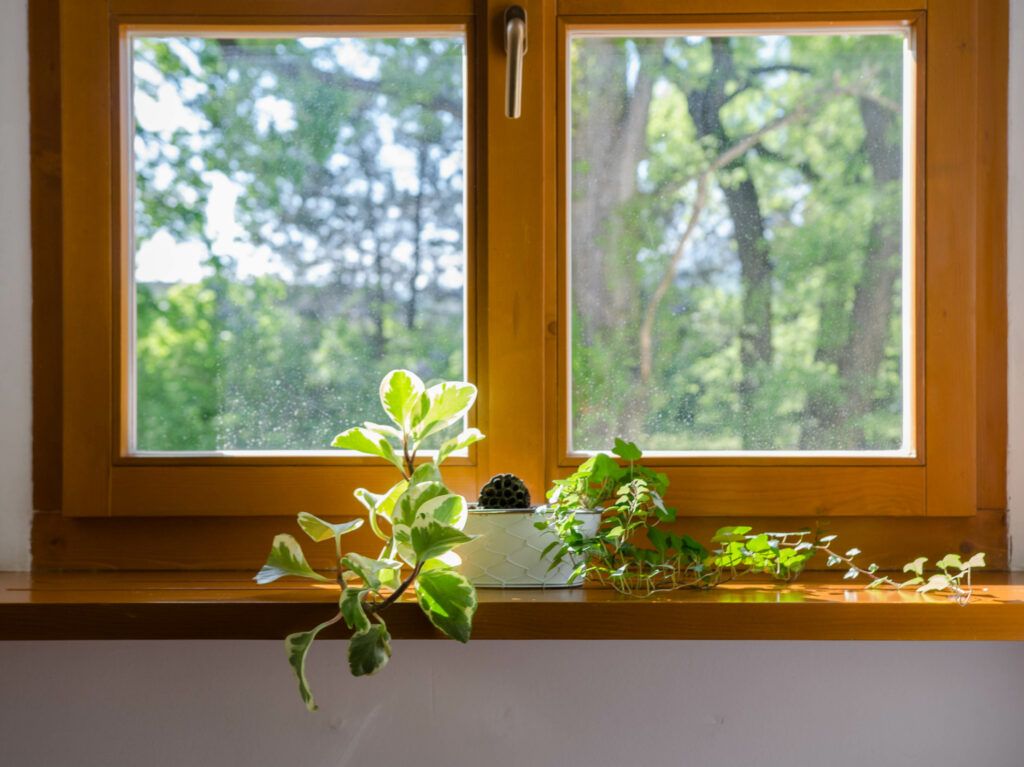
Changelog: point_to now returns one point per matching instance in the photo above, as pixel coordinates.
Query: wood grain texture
(212, 606)
(45, 137)
(619, 7)
(993, 69)
(241, 544)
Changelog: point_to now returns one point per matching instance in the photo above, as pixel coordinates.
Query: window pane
(298, 231)
(738, 246)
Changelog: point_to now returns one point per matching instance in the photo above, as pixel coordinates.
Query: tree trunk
(752, 248)
(838, 425)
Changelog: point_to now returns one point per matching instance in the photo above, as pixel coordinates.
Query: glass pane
(737, 242)
(298, 231)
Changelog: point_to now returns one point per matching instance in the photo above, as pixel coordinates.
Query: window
(852, 126)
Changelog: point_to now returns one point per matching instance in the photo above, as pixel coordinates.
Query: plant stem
(376, 608)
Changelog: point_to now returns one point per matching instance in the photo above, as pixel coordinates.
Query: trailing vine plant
(632, 554)
(419, 520)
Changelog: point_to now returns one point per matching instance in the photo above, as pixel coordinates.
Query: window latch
(515, 49)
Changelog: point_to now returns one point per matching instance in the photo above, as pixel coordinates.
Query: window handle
(515, 49)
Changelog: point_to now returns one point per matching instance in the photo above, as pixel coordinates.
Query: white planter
(508, 552)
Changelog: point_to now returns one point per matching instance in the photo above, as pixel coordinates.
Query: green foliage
(419, 519)
(633, 509)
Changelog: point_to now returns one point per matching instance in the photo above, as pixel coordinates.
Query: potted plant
(419, 520)
(513, 542)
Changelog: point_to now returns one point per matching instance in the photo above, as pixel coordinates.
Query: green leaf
(297, 647)
(627, 451)
(658, 539)
(978, 560)
(369, 651)
(381, 505)
(950, 560)
(368, 569)
(758, 543)
(319, 530)
(935, 583)
(917, 566)
(732, 533)
(912, 582)
(875, 583)
(463, 440)
(447, 509)
(449, 600)
(369, 442)
(286, 558)
(432, 539)
(449, 401)
(399, 392)
(351, 605)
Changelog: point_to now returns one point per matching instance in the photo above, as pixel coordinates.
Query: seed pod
(504, 491)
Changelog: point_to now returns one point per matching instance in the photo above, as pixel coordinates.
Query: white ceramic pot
(508, 552)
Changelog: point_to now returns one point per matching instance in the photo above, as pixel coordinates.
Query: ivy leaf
(658, 539)
(978, 560)
(851, 573)
(463, 440)
(319, 530)
(917, 566)
(286, 558)
(853, 552)
(950, 560)
(369, 651)
(432, 539)
(627, 451)
(935, 583)
(449, 600)
(297, 647)
(912, 582)
(369, 442)
(399, 392)
(733, 533)
(351, 605)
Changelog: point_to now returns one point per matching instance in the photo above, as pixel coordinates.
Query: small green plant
(418, 519)
(632, 554)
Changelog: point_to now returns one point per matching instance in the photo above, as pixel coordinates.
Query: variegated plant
(419, 520)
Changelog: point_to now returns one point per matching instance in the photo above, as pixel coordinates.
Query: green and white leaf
(447, 509)
(368, 569)
(382, 505)
(368, 442)
(351, 605)
(916, 567)
(399, 393)
(449, 401)
(430, 539)
(449, 601)
(320, 530)
(935, 583)
(978, 560)
(286, 558)
(297, 647)
(950, 560)
(460, 442)
(369, 651)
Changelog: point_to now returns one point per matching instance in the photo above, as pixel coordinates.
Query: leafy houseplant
(616, 554)
(419, 520)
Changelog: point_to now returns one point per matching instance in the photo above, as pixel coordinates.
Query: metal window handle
(515, 49)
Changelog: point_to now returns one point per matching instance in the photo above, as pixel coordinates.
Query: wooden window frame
(518, 280)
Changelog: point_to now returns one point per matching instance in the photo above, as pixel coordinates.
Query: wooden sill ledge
(218, 605)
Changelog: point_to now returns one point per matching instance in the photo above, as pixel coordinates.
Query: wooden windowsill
(218, 605)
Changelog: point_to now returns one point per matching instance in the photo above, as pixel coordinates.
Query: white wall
(15, 292)
(119, 704)
(1015, 282)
